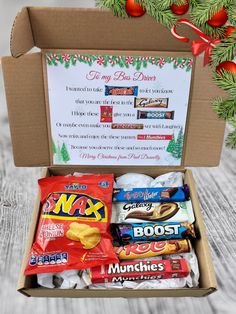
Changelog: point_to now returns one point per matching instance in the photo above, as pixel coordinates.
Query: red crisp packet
(73, 229)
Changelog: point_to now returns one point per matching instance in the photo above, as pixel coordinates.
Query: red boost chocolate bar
(140, 270)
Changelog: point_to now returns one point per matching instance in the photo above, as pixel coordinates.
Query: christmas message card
(116, 109)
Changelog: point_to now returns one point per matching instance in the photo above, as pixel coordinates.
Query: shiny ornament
(180, 9)
(218, 19)
(229, 30)
(229, 66)
(134, 9)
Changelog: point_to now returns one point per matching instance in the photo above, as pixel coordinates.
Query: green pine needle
(225, 80)
(231, 140)
(225, 109)
(117, 6)
(224, 51)
(160, 11)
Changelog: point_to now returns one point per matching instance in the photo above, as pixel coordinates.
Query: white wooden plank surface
(217, 193)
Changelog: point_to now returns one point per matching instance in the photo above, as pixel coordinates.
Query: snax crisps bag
(74, 224)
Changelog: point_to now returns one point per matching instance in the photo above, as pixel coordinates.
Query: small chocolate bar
(121, 90)
(158, 194)
(124, 233)
(140, 270)
(127, 126)
(168, 193)
(153, 249)
(154, 212)
(167, 115)
(151, 102)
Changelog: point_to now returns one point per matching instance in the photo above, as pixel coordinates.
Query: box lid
(74, 28)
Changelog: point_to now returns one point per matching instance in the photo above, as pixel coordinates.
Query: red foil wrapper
(140, 270)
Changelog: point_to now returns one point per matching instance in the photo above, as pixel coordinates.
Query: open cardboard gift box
(99, 30)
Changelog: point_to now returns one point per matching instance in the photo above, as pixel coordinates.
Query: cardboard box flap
(21, 34)
(98, 30)
(24, 88)
(90, 29)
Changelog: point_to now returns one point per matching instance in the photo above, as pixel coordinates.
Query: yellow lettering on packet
(64, 203)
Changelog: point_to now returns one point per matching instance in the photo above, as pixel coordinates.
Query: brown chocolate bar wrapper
(126, 126)
(152, 249)
(151, 102)
(168, 193)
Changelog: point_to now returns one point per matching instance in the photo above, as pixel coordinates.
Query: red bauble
(229, 30)
(228, 66)
(218, 19)
(134, 9)
(180, 9)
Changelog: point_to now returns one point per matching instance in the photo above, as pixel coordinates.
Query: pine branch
(155, 9)
(231, 140)
(225, 109)
(117, 6)
(232, 14)
(204, 11)
(194, 3)
(225, 80)
(232, 122)
(224, 51)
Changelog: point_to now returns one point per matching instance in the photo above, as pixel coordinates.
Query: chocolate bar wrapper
(140, 270)
(167, 115)
(153, 249)
(151, 102)
(121, 90)
(136, 232)
(159, 194)
(154, 212)
(127, 126)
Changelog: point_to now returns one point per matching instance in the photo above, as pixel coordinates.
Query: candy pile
(148, 244)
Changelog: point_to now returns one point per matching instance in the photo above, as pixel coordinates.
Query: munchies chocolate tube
(152, 249)
(140, 270)
(136, 232)
(167, 115)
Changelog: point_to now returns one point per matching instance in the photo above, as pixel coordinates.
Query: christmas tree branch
(226, 80)
(224, 51)
(231, 140)
(117, 6)
(204, 12)
(225, 109)
(159, 11)
(232, 14)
